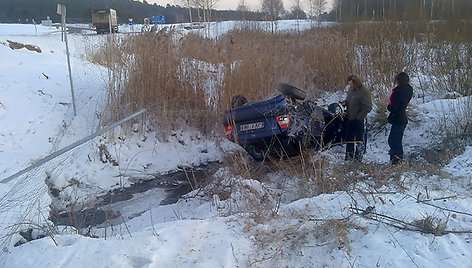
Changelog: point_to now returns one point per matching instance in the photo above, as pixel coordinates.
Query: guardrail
(72, 146)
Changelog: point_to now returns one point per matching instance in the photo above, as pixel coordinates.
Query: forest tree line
(351, 10)
(79, 11)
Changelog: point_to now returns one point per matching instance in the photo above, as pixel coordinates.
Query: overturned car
(283, 125)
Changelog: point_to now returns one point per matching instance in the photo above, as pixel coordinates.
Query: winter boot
(349, 156)
(396, 159)
(360, 149)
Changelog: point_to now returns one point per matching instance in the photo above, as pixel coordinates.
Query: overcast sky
(232, 4)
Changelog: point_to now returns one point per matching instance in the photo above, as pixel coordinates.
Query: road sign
(158, 19)
(61, 9)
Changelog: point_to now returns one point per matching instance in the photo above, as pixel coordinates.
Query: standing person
(359, 104)
(399, 99)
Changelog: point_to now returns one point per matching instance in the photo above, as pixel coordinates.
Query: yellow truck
(105, 21)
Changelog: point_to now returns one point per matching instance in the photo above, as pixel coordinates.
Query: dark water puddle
(176, 184)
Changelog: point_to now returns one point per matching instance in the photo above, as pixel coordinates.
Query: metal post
(61, 9)
(72, 146)
(109, 21)
(35, 28)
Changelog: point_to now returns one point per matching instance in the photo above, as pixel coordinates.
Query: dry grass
(145, 71)
(276, 241)
(456, 119)
(189, 81)
(431, 225)
(311, 172)
(256, 61)
(338, 230)
(186, 81)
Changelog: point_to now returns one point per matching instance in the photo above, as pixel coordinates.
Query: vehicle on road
(283, 125)
(194, 26)
(105, 21)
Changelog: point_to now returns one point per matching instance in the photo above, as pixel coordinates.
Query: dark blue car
(283, 125)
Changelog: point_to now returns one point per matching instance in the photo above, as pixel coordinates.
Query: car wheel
(238, 100)
(335, 108)
(291, 91)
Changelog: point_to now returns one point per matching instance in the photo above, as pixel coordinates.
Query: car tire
(335, 108)
(291, 91)
(238, 100)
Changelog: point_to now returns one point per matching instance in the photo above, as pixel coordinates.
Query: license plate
(252, 126)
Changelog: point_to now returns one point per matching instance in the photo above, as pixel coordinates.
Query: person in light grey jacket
(359, 104)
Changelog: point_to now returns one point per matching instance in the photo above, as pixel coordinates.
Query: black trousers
(354, 135)
(395, 141)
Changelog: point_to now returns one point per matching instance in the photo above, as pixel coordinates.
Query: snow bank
(191, 243)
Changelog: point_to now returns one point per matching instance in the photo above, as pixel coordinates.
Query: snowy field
(37, 118)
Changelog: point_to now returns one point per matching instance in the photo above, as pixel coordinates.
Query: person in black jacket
(399, 99)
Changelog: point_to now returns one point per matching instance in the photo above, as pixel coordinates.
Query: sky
(232, 4)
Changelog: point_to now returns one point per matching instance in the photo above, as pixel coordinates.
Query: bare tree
(210, 5)
(273, 9)
(297, 11)
(338, 7)
(242, 7)
(319, 7)
(207, 6)
(188, 4)
(311, 11)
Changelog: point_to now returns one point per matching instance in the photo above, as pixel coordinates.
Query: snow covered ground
(205, 230)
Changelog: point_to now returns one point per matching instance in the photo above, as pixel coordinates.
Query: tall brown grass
(146, 71)
(189, 81)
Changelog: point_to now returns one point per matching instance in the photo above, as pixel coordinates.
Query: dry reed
(189, 81)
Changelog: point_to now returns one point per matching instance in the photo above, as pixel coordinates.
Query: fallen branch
(447, 209)
(232, 249)
(438, 207)
(400, 224)
(323, 220)
(435, 199)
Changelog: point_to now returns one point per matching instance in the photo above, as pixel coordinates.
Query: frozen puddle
(121, 205)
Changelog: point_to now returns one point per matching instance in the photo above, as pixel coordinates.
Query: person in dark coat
(359, 104)
(399, 99)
